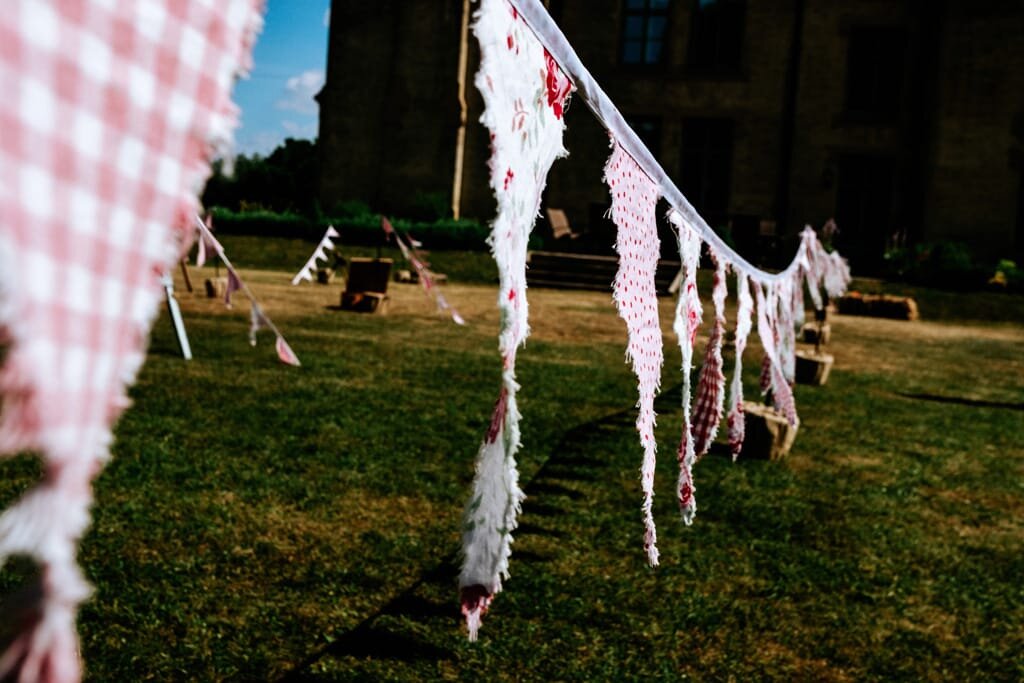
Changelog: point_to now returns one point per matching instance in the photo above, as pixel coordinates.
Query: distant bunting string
(257, 318)
(319, 254)
(528, 70)
(425, 275)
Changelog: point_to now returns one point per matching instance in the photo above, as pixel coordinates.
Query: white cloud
(327, 17)
(261, 142)
(299, 92)
(300, 130)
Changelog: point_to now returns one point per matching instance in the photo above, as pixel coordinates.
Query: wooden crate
(768, 435)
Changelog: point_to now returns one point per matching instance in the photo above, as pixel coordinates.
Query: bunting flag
(737, 428)
(234, 284)
(773, 375)
(257, 318)
(319, 254)
(285, 353)
(525, 95)
(685, 325)
(707, 411)
(257, 322)
(426, 276)
(109, 118)
(634, 197)
(204, 243)
(527, 71)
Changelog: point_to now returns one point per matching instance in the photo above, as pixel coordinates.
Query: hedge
(362, 229)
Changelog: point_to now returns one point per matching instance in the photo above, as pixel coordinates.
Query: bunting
(634, 197)
(737, 428)
(319, 254)
(426, 276)
(257, 318)
(707, 411)
(204, 243)
(521, 86)
(519, 42)
(685, 325)
(101, 156)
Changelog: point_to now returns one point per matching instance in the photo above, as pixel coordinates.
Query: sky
(290, 61)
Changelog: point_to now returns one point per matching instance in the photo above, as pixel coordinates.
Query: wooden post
(460, 133)
(184, 274)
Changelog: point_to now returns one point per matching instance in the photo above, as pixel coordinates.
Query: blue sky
(290, 61)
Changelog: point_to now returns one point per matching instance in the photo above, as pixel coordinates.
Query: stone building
(903, 119)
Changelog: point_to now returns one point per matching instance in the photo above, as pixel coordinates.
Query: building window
(874, 73)
(643, 31)
(716, 34)
(648, 129)
(706, 168)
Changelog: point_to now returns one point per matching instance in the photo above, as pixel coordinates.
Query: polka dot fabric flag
(634, 197)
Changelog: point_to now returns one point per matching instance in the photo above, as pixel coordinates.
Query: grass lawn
(262, 522)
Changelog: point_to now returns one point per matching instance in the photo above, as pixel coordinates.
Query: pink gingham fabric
(110, 112)
(634, 197)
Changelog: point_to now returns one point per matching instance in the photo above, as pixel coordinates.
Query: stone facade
(904, 119)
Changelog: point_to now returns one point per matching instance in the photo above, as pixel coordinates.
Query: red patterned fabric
(110, 112)
(707, 409)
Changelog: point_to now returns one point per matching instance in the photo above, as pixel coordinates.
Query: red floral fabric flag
(517, 80)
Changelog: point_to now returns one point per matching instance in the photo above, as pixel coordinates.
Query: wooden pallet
(580, 271)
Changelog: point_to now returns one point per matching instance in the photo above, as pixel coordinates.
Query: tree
(284, 181)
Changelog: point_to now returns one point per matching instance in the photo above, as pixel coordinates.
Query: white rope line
(547, 31)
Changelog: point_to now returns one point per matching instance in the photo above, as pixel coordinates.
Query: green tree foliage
(285, 181)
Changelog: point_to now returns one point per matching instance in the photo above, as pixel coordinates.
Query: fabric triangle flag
(201, 252)
(285, 353)
(257, 322)
(234, 284)
(303, 274)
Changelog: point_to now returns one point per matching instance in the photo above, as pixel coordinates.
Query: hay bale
(325, 276)
(878, 306)
(215, 287)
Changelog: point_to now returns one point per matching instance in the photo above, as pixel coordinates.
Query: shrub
(946, 265)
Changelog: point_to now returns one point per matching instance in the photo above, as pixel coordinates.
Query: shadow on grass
(550, 488)
(958, 400)
(384, 636)
(368, 642)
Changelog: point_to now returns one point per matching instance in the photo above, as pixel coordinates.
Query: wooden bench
(580, 271)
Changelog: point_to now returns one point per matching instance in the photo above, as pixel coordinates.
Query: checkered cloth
(110, 111)
(707, 409)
